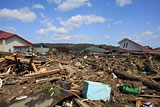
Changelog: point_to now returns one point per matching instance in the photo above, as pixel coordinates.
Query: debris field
(58, 80)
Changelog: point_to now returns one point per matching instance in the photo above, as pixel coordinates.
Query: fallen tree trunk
(148, 82)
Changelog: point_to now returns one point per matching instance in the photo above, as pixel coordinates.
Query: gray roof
(42, 50)
(96, 49)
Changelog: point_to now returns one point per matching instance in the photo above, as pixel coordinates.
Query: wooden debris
(34, 67)
(154, 96)
(150, 83)
(138, 103)
(23, 60)
(148, 100)
(80, 103)
(48, 79)
(39, 74)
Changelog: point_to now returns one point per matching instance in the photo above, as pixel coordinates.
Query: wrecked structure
(122, 77)
(10, 42)
(119, 80)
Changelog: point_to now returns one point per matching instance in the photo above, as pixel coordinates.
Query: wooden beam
(138, 103)
(34, 67)
(148, 100)
(39, 74)
(23, 60)
(80, 103)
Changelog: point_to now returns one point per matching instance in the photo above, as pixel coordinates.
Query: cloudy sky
(83, 21)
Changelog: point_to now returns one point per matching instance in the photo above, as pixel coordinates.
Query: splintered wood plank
(34, 67)
(39, 74)
(23, 60)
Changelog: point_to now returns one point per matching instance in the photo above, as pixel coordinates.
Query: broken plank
(48, 79)
(154, 77)
(39, 74)
(80, 103)
(138, 103)
(23, 60)
(148, 100)
(148, 82)
(34, 67)
(150, 96)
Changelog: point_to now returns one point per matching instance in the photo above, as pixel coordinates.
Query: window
(126, 45)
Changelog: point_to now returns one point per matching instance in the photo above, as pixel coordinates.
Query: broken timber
(34, 67)
(23, 60)
(40, 74)
(148, 82)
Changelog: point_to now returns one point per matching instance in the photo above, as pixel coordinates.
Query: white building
(11, 42)
(157, 49)
(127, 45)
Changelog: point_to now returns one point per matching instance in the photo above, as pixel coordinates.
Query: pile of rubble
(112, 80)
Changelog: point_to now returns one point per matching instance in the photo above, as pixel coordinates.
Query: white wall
(157, 49)
(14, 41)
(131, 46)
(1, 48)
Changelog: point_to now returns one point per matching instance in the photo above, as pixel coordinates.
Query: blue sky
(83, 21)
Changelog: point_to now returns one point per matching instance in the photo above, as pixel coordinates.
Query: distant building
(41, 49)
(10, 42)
(77, 50)
(127, 45)
(40, 45)
(62, 49)
(157, 49)
(95, 50)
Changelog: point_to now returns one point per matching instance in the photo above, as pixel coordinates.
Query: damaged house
(127, 45)
(10, 42)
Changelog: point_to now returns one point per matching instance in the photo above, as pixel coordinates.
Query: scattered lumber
(154, 77)
(23, 60)
(148, 82)
(147, 100)
(39, 74)
(48, 79)
(154, 96)
(34, 67)
(80, 103)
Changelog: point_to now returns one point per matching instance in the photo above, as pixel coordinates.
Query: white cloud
(147, 33)
(55, 1)
(38, 6)
(78, 20)
(59, 18)
(154, 36)
(122, 3)
(8, 29)
(42, 15)
(107, 37)
(74, 38)
(147, 23)
(47, 23)
(51, 28)
(68, 5)
(118, 22)
(23, 14)
(109, 25)
(42, 32)
(158, 28)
